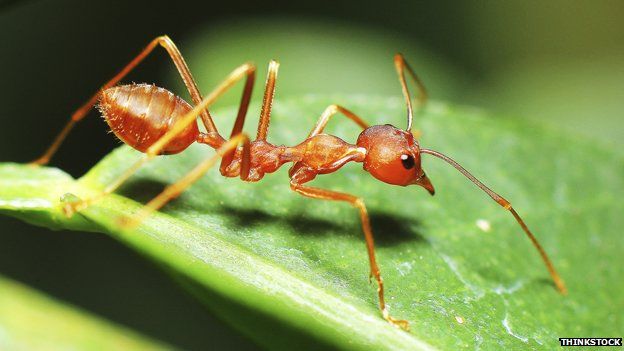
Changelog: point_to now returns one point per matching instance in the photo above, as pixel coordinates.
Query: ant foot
(399, 323)
(42, 161)
(123, 221)
(126, 222)
(70, 208)
(72, 204)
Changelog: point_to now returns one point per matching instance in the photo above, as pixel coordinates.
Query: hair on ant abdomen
(140, 114)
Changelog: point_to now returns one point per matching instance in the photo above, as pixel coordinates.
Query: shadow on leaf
(389, 229)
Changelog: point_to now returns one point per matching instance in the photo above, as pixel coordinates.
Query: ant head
(393, 156)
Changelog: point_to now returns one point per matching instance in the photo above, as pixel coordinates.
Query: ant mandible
(155, 121)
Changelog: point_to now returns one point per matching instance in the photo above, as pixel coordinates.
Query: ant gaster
(155, 121)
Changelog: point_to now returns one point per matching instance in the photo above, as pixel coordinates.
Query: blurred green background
(559, 63)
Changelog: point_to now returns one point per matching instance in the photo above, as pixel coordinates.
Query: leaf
(291, 271)
(32, 321)
(557, 92)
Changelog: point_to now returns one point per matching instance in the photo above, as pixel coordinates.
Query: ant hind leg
(183, 70)
(155, 149)
(175, 189)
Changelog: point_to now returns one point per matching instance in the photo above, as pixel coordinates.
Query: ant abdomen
(139, 114)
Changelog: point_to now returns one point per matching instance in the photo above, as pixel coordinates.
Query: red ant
(155, 121)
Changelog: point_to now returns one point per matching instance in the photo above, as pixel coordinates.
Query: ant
(155, 121)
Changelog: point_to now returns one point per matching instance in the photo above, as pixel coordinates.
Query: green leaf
(291, 271)
(32, 321)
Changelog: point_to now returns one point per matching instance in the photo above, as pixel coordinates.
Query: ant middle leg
(156, 149)
(317, 193)
(237, 129)
(263, 124)
(329, 112)
(267, 101)
(265, 117)
(175, 55)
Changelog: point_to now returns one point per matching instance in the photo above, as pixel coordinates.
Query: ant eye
(408, 161)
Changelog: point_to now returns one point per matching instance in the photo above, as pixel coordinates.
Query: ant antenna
(507, 205)
(400, 64)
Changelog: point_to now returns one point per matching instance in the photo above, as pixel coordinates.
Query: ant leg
(183, 70)
(263, 124)
(329, 112)
(267, 101)
(317, 193)
(175, 189)
(71, 207)
(228, 157)
(506, 205)
(401, 65)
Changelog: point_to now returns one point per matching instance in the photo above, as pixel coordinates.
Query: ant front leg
(183, 70)
(401, 66)
(317, 193)
(156, 149)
